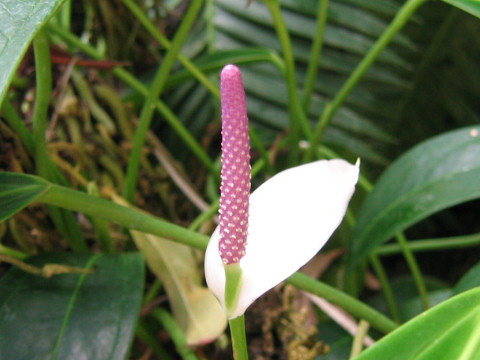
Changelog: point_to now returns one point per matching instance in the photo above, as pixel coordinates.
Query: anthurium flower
(290, 217)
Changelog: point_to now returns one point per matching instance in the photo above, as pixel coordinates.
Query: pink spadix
(235, 184)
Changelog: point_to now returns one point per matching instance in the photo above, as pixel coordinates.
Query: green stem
(386, 288)
(454, 242)
(135, 84)
(315, 53)
(152, 292)
(204, 216)
(101, 226)
(345, 301)
(257, 143)
(239, 338)
(94, 206)
(145, 335)
(233, 282)
(414, 268)
(297, 116)
(154, 92)
(65, 14)
(153, 30)
(175, 333)
(330, 110)
(17, 124)
(63, 220)
(5, 250)
(43, 73)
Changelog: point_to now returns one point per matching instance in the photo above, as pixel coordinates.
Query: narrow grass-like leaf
(434, 175)
(72, 316)
(20, 21)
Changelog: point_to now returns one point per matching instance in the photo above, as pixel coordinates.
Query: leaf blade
(72, 316)
(433, 176)
(20, 20)
(18, 191)
(434, 334)
(470, 6)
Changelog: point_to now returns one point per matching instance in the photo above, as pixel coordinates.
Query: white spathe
(292, 215)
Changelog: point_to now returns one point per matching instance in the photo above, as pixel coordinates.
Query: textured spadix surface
(235, 186)
(292, 216)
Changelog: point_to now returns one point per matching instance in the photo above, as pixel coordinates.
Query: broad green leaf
(72, 316)
(19, 22)
(195, 309)
(450, 330)
(18, 191)
(436, 174)
(469, 281)
(470, 6)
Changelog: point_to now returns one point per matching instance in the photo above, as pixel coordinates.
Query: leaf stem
(14, 253)
(100, 226)
(345, 301)
(297, 116)
(175, 333)
(43, 73)
(154, 92)
(17, 124)
(315, 54)
(454, 242)
(414, 268)
(330, 110)
(144, 334)
(239, 338)
(64, 221)
(133, 219)
(386, 288)
(153, 30)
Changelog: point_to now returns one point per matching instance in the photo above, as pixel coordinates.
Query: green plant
(326, 79)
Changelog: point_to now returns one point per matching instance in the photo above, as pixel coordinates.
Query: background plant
(96, 131)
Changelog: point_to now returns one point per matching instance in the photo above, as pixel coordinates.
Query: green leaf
(20, 21)
(18, 191)
(450, 330)
(407, 298)
(196, 311)
(72, 316)
(469, 281)
(470, 6)
(433, 176)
